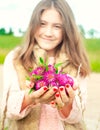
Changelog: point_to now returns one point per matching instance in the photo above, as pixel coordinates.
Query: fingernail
(45, 88)
(57, 95)
(52, 102)
(55, 89)
(31, 84)
(67, 85)
(74, 87)
(61, 88)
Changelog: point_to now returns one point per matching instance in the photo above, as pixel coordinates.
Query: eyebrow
(53, 23)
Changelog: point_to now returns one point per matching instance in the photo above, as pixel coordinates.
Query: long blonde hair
(71, 46)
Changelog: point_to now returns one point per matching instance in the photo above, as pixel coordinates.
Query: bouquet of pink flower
(48, 75)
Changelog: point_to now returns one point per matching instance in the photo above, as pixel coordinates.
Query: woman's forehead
(51, 15)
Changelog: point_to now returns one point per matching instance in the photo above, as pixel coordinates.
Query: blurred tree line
(10, 32)
(92, 33)
(3, 31)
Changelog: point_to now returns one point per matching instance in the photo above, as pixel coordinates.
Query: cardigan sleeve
(15, 97)
(79, 104)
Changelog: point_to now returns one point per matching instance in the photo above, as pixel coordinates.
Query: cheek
(38, 32)
(41, 30)
(59, 35)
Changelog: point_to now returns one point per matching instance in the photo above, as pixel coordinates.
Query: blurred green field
(93, 51)
(7, 43)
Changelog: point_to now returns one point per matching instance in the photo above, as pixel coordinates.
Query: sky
(16, 13)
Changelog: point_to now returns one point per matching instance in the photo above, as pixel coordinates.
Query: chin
(47, 48)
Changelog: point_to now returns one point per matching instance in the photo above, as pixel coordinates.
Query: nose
(49, 31)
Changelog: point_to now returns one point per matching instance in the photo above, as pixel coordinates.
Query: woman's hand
(42, 95)
(64, 99)
(64, 96)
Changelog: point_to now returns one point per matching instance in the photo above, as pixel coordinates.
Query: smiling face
(49, 33)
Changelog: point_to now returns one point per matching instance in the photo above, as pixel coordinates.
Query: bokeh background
(14, 20)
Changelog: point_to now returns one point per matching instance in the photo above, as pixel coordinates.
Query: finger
(59, 101)
(38, 93)
(50, 93)
(29, 84)
(70, 91)
(47, 101)
(53, 104)
(63, 94)
(76, 84)
(75, 87)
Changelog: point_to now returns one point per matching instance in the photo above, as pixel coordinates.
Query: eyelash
(42, 24)
(58, 27)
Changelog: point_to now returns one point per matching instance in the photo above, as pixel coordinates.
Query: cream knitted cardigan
(39, 117)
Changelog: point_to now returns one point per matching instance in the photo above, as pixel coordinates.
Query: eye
(42, 24)
(58, 26)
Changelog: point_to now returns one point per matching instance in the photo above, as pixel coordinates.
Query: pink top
(49, 115)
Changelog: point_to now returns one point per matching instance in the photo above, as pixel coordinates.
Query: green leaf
(37, 76)
(46, 62)
(56, 70)
(46, 66)
(27, 78)
(30, 69)
(57, 65)
(41, 60)
(30, 90)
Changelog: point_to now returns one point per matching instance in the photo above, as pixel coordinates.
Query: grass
(93, 51)
(7, 43)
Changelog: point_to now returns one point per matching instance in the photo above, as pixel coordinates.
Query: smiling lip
(47, 39)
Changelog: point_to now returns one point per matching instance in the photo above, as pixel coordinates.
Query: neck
(51, 53)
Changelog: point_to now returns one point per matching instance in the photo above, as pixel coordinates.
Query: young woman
(53, 35)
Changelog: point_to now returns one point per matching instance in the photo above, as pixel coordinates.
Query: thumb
(76, 84)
